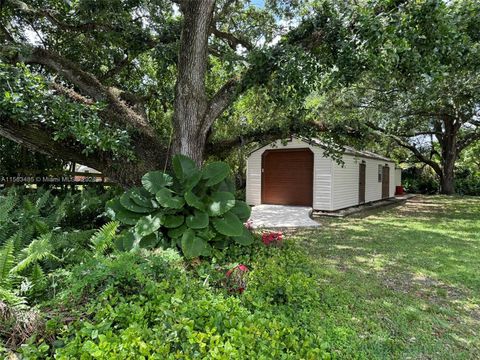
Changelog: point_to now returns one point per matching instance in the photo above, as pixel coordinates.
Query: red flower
(269, 238)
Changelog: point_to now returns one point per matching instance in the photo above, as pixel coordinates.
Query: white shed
(299, 173)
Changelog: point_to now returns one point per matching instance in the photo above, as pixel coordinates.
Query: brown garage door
(287, 177)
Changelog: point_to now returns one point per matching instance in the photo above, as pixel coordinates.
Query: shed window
(380, 173)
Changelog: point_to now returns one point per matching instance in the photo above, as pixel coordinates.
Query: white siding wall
(345, 181)
(322, 168)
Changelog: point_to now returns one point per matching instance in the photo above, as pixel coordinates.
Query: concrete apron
(282, 216)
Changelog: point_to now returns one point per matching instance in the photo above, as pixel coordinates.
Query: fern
(38, 250)
(10, 298)
(103, 238)
(37, 277)
(43, 200)
(7, 203)
(7, 262)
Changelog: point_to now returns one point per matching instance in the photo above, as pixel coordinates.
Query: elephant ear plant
(194, 210)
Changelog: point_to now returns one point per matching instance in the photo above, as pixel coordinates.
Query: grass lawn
(403, 282)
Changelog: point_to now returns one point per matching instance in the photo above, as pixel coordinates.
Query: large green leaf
(229, 225)
(130, 205)
(124, 241)
(245, 239)
(198, 220)
(215, 172)
(226, 185)
(192, 180)
(177, 232)
(194, 201)
(153, 181)
(220, 202)
(183, 166)
(150, 241)
(173, 221)
(166, 198)
(148, 224)
(142, 197)
(193, 246)
(242, 210)
(117, 212)
(207, 233)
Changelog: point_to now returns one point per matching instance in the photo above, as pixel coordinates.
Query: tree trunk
(449, 155)
(447, 183)
(191, 101)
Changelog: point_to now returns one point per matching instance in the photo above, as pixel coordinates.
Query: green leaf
(141, 197)
(226, 185)
(194, 201)
(148, 224)
(215, 172)
(103, 238)
(198, 220)
(229, 225)
(117, 212)
(220, 202)
(245, 239)
(219, 242)
(183, 166)
(7, 260)
(177, 232)
(130, 205)
(150, 241)
(166, 199)
(193, 246)
(124, 242)
(173, 221)
(242, 210)
(191, 181)
(207, 234)
(153, 181)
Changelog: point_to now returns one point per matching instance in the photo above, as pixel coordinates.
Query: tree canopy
(424, 91)
(121, 85)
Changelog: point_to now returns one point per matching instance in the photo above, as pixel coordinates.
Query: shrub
(150, 306)
(467, 183)
(194, 210)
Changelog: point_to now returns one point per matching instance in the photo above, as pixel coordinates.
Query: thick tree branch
(261, 136)
(401, 142)
(307, 35)
(37, 137)
(90, 86)
(232, 40)
(70, 93)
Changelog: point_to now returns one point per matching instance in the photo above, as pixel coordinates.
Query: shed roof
(348, 149)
